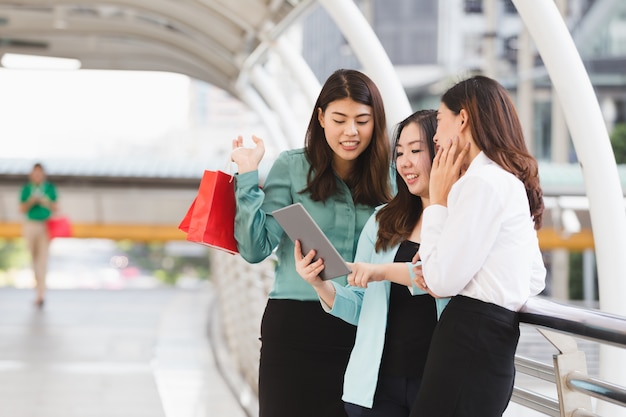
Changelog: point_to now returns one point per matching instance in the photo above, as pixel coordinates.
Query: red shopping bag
(59, 226)
(211, 218)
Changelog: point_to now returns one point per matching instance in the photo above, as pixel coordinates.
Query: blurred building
(433, 43)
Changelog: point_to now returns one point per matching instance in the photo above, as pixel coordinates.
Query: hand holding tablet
(299, 225)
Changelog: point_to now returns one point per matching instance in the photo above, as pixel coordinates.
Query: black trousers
(304, 354)
(470, 368)
(394, 397)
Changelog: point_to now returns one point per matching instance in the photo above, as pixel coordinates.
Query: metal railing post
(568, 361)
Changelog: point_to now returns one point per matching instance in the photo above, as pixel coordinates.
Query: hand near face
(247, 159)
(448, 166)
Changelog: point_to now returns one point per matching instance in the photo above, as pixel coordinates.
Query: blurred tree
(131, 257)
(575, 276)
(154, 259)
(576, 285)
(13, 254)
(618, 142)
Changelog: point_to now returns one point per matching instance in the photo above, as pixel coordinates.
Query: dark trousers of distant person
(470, 368)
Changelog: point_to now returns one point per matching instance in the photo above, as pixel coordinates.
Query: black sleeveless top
(410, 324)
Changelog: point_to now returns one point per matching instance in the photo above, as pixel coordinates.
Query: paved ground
(98, 353)
(140, 353)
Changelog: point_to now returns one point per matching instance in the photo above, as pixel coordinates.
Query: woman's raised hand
(247, 159)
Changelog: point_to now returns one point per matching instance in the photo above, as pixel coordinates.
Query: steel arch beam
(372, 56)
(591, 142)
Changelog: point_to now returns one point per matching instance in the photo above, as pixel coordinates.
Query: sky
(87, 113)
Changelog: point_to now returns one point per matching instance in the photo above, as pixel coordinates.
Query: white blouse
(483, 245)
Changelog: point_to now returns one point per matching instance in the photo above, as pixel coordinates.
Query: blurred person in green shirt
(38, 203)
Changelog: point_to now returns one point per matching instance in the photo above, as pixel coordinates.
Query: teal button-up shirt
(258, 234)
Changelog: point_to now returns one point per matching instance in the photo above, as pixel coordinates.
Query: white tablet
(299, 225)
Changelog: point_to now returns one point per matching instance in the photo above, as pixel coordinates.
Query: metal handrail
(534, 368)
(536, 402)
(597, 388)
(586, 323)
(573, 384)
(242, 294)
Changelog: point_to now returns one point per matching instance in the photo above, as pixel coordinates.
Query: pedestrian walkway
(99, 353)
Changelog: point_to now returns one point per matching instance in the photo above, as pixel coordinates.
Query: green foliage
(576, 276)
(618, 142)
(153, 258)
(131, 258)
(576, 285)
(13, 254)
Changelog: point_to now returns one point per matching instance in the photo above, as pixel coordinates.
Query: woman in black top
(393, 326)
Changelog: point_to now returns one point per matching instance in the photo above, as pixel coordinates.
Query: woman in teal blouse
(38, 202)
(340, 176)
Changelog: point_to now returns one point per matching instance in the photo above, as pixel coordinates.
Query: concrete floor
(99, 353)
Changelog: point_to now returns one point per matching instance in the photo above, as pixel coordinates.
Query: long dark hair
(369, 180)
(398, 218)
(497, 131)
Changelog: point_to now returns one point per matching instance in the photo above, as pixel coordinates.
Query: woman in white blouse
(479, 246)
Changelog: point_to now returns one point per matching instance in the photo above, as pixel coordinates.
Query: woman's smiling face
(413, 160)
(348, 127)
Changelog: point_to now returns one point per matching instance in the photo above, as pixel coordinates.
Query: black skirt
(470, 369)
(304, 354)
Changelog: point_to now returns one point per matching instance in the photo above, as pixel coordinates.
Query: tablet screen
(299, 225)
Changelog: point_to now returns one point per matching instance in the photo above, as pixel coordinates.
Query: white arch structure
(593, 149)
(227, 43)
